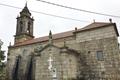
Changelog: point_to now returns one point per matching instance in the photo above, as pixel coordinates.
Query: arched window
(21, 26)
(29, 75)
(16, 68)
(28, 29)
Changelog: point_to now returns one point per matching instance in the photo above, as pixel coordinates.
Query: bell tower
(24, 27)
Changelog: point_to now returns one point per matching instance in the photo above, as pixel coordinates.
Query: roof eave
(114, 24)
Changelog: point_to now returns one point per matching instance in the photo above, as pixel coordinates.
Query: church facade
(89, 53)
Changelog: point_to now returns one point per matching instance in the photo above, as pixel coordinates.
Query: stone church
(88, 53)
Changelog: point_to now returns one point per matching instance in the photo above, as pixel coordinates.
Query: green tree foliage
(2, 65)
(2, 57)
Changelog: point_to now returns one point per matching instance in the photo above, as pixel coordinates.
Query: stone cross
(50, 63)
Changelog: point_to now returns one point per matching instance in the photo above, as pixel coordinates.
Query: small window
(99, 55)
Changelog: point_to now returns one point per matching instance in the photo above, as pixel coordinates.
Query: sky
(44, 23)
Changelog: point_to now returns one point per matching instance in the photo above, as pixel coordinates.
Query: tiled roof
(95, 25)
(45, 38)
(67, 34)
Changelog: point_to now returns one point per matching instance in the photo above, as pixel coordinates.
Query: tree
(2, 66)
(2, 57)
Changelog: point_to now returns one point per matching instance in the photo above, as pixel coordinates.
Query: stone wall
(105, 68)
(85, 66)
(42, 64)
(99, 33)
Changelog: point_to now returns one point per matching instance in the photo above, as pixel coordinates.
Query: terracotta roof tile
(45, 38)
(94, 25)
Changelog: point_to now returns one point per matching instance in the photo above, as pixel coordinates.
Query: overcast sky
(44, 23)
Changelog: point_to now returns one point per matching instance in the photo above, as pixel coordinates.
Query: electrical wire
(46, 13)
(78, 9)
